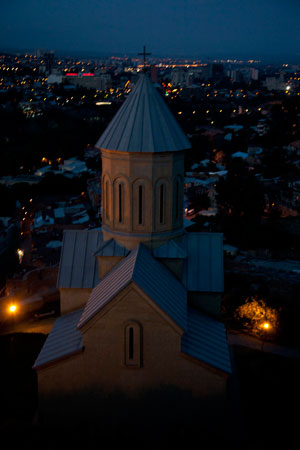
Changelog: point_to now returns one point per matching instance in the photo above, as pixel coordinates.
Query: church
(140, 297)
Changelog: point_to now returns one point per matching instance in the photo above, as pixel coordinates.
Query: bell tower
(142, 153)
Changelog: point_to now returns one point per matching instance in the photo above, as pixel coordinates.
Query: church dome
(144, 124)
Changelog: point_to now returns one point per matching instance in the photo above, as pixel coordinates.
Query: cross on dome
(144, 54)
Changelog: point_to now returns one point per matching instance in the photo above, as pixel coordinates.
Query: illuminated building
(139, 296)
(89, 80)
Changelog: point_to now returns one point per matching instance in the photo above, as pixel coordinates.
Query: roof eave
(211, 367)
(57, 360)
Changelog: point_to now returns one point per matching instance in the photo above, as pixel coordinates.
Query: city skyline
(264, 30)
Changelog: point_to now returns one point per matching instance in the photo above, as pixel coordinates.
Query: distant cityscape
(229, 109)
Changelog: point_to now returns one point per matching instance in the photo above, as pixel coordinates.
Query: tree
(257, 317)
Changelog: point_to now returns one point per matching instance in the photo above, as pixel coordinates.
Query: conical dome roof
(144, 123)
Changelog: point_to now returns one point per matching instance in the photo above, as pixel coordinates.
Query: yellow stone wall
(73, 298)
(107, 263)
(149, 170)
(101, 366)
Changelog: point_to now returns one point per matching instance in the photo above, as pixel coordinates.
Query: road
(30, 325)
(235, 338)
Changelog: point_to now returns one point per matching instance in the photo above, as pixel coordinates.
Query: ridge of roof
(161, 286)
(144, 123)
(151, 276)
(110, 285)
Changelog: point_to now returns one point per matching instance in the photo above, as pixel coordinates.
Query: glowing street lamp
(20, 255)
(266, 327)
(12, 308)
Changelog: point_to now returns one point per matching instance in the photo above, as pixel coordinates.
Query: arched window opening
(161, 203)
(133, 345)
(107, 200)
(120, 202)
(140, 205)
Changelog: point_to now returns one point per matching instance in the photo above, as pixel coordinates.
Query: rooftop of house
(151, 276)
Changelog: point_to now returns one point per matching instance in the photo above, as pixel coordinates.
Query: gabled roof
(78, 266)
(203, 268)
(144, 123)
(64, 340)
(111, 248)
(151, 276)
(205, 340)
(171, 250)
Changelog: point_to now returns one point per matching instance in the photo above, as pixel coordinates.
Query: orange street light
(12, 308)
(266, 326)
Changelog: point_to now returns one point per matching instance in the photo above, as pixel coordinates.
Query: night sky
(249, 29)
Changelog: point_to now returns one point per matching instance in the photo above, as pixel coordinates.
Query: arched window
(107, 199)
(133, 345)
(140, 205)
(121, 199)
(162, 203)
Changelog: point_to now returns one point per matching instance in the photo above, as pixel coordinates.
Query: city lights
(20, 253)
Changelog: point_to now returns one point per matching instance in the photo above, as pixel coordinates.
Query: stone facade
(73, 298)
(101, 366)
(142, 196)
(130, 344)
(106, 264)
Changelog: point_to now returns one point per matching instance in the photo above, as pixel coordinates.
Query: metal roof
(63, 340)
(161, 286)
(206, 341)
(151, 276)
(203, 253)
(144, 123)
(78, 266)
(203, 268)
(111, 248)
(171, 250)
